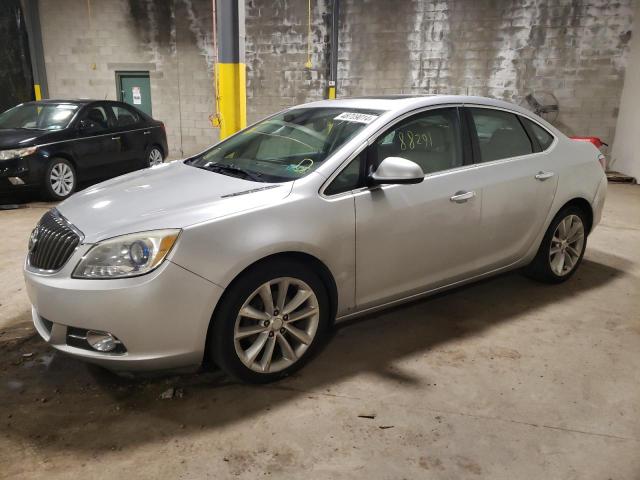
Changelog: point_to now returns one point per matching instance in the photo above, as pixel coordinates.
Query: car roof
(400, 103)
(79, 102)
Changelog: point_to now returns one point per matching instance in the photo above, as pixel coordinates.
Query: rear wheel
(154, 156)
(270, 322)
(562, 247)
(60, 179)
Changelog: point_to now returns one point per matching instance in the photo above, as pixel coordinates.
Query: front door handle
(115, 138)
(542, 176)
(462, 196)
(147, 132)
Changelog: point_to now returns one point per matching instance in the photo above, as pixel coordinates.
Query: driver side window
(431, 139)
(95, 120)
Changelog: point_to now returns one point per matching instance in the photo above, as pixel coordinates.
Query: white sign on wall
(137, 96)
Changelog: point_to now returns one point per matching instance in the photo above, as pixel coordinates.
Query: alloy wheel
(155, 157)
(276, 325)
(61, 179)
(566, 245)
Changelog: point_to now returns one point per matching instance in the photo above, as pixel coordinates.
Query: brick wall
(574, 49)
(85, 43)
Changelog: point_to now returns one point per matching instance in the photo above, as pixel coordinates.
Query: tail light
(163, 127)
(593, 140)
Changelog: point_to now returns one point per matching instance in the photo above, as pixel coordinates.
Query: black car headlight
(17, 153)
(126, 256)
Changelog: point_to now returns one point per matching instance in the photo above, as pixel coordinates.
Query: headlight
(18, 152)
(126, 256)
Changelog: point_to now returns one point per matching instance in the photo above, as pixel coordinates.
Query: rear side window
(545, 139)
(500, 134)
(124, 117)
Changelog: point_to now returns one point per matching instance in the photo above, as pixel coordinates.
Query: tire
(60, 179)
(544, 266)
(231, 343)
(154, 156)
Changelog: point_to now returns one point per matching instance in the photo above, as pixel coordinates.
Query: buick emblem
(33, 239)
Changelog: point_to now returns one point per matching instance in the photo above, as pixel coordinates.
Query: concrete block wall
(575, 49)
(86, 42)
(277, 49)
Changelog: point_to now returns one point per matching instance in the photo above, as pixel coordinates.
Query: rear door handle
(147, 132)
(462, 196)
(542, 176)
(115, 138)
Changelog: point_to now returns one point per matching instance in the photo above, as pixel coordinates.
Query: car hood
(171, 195)
(21, 137)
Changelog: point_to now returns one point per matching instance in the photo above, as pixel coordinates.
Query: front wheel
(60, 179)
(562, 247)
(269, 322)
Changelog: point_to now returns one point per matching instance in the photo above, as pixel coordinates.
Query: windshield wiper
(233, 170)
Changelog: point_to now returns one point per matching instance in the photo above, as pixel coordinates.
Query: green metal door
(135, 89)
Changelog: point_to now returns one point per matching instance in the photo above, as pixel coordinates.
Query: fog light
(102, 341)
(16, 181)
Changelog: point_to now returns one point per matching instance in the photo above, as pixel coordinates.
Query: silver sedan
(244, 255)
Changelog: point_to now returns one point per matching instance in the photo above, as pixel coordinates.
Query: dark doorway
(16, 78)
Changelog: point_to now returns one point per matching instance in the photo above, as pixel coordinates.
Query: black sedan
(53, 145)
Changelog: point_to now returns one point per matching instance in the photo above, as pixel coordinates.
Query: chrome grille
(52, 242)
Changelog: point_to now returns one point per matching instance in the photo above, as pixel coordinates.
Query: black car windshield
(38, 116)
(287, 146)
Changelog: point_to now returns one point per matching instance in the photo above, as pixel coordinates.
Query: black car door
(94, 149)
(128, 128)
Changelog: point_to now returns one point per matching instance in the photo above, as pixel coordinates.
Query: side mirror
(396, 170)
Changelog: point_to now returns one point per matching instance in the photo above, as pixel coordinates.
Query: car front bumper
(161, 318)
(26, 172)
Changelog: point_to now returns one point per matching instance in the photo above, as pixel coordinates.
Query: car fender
(223, 248)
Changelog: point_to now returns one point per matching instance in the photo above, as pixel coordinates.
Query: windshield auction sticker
(356, 117)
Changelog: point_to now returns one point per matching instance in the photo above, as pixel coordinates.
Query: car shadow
(61, 404)
(19, 199)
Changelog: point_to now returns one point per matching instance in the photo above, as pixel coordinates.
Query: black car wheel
(60, 179)
(270, 322)
(562, 247)
(154, 156)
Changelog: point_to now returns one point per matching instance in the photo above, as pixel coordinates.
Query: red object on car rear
(596, 143)
(595, 140)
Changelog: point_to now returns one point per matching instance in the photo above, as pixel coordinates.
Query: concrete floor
(506, 379)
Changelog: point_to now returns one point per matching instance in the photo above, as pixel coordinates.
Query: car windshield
(38, 116)
(287, 146)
